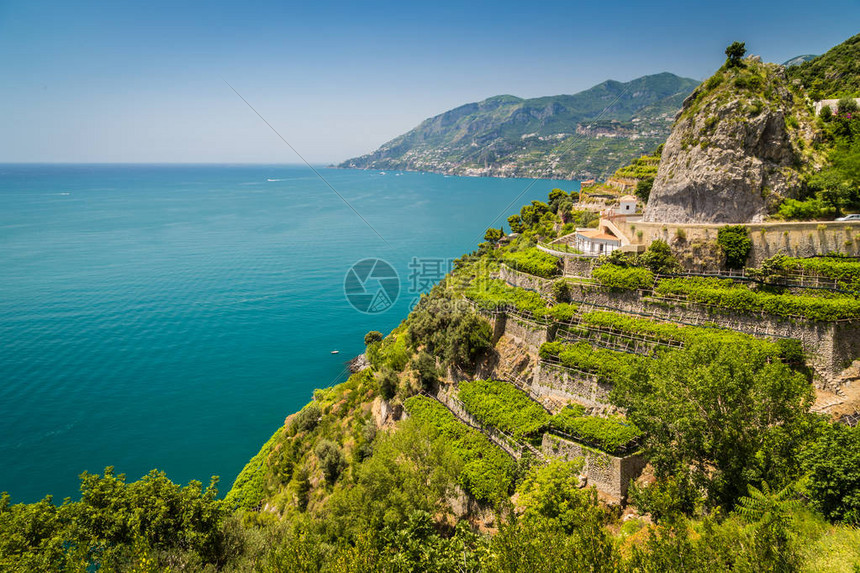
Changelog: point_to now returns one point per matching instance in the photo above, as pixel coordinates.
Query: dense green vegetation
(720, 416)
(623, 278)
(644, 167)
(503, 406)
(487, 470)
(746, 479)
(611, 435)
(666, 331)
(533, 262)
(737, 297)
(736, 245)
(496, 293)
(845, 271)
(834, 74)
(115, 525)
(607, 365)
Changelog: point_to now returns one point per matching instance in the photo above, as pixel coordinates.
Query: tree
(308, 418)
(556, 196)
(832, 188)
(659, 258)
(832, 462)
(735, 53)
(736, 245)
(372, 336)
(425, 364)
(561, 291)
(771, 514)
(727, 413)
(331, 459)
(643, 189)
(387, 379)
(826, 113)
(470, 339)
(493, 235)
(516, 224)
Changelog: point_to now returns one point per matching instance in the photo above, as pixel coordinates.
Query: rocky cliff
(737, 149)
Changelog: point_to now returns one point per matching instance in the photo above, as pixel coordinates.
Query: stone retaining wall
(552, 380)
(578, 267)
(796, 239)
(611, 475)
(523, 280)
(526, 332)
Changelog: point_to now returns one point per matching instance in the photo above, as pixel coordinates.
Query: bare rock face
(735, 151)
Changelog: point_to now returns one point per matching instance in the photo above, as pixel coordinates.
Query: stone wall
(611, 475)
(796, 239)
(578, 267)
(525, 331)
(552, 380)
(522, 280)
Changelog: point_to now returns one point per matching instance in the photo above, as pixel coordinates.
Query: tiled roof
(598, 234)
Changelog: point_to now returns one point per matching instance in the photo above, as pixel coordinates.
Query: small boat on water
(335, 351)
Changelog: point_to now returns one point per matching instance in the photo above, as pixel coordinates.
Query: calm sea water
(170, 317)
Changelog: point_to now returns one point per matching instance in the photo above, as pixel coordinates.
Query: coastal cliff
(739, 147)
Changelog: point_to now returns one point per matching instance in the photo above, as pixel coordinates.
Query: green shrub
(833, 465)
(609, 434)
(331, 460)
(792, 209)
(534, 262)
(497, 293)
(503, 406)
(658, 258)
(561, 291)
(387, 380)
(845, 271)
(372, 336)
(607, 365)
(620, 278)
(307, 418)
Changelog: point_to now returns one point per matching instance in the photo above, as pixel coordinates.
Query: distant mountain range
(588, 134)
(797, 60)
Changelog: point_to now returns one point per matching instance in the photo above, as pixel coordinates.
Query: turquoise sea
(170, 317)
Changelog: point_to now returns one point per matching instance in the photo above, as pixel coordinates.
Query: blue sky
(143, 81)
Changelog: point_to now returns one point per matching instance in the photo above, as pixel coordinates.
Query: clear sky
(143, 81)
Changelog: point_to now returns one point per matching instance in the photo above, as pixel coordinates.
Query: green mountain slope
(834, 74)
(588, 134)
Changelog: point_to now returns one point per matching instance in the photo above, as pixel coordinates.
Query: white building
(600, 241)
(626, 205)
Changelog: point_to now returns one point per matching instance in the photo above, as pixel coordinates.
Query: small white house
(626, 205)
(595, 242)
